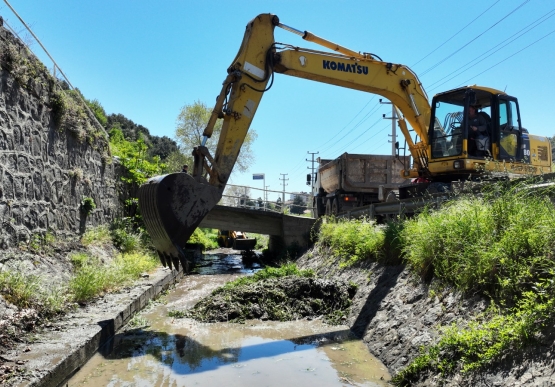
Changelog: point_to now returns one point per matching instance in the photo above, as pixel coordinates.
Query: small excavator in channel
(439, 139)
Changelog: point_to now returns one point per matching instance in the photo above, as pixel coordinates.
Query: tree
(176, 160)
(298, 206)
(162, 146)
(98, 111)
(189, 128)
(157, 146)
(233, 193)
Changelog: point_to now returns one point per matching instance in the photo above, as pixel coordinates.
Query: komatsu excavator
(440, 142)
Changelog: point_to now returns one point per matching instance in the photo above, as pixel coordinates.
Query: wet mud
(280, 299)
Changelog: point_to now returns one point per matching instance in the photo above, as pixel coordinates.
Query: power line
(537, 22)
(462, 29)
(472, 40)
(345, 127)
(510, 56)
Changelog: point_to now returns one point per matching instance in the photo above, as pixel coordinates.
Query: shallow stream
(157, 350)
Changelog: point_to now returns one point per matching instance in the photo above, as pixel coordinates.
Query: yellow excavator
(441, 140)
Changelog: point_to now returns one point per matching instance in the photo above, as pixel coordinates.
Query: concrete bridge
(284, 230)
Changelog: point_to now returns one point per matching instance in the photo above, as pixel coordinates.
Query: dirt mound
(277, 299)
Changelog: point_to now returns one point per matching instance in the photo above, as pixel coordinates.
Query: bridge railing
(241, 196)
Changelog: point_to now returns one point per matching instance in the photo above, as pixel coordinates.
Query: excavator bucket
(172, 207)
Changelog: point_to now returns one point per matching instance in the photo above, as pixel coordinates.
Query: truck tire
(438, 187)
(319, 207)
(391, 197)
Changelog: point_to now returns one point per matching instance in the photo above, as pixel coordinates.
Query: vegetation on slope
(499, 244)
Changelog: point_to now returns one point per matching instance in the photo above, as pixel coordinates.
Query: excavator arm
(173, 205)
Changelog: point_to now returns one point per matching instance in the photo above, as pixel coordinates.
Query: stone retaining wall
(45, 172)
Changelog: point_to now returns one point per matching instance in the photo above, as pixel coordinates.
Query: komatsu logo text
(346, 67)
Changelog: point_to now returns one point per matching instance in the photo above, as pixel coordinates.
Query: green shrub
(126, 236)
(207, 238)
(352, 240)
(497, 245)
(87, 205)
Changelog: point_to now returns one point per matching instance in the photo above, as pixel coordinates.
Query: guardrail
(399, 208)
(404, 207)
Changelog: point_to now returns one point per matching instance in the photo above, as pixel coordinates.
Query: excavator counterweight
(172, 207)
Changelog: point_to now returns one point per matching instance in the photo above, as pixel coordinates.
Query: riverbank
(397, 313)
(393, 311)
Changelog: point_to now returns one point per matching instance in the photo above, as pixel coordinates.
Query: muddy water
(156, 350)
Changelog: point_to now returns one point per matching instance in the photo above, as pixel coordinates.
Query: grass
(31, 291)
(499, 244)
(93, 279)
(97, 236)
(353, 240)
(483, 340)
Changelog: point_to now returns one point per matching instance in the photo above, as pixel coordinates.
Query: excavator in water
(438, 139)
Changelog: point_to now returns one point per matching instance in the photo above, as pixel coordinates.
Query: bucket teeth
(162, 259)
(172, 207)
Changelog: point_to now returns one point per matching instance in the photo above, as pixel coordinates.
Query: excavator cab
(501, 136)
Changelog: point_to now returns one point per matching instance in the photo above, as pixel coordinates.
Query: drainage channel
(157, 350)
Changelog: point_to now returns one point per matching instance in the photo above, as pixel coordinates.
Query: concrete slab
(67, 344)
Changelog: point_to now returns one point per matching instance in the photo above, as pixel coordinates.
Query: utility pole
(265, 195)
(312, 175)
(393, 134)
(283, 180)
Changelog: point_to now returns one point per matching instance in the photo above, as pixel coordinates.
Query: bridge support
(295, 235)
(286, 231)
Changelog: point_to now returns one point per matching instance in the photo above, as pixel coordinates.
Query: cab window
(508, 129)
(446, 136)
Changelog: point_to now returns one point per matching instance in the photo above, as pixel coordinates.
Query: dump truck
(354, 180)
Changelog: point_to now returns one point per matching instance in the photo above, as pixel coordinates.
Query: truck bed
(361, 173)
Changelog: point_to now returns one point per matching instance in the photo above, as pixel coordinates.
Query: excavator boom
(174, 205)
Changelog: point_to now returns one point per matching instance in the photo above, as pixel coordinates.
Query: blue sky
(147, 59)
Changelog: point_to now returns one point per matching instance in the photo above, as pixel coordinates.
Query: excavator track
(172, 207)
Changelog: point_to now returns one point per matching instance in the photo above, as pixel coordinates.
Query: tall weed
(92, 278)
(499, 244)
(31, 291)
(352, 240)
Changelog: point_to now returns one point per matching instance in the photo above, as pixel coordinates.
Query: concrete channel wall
(46, 170)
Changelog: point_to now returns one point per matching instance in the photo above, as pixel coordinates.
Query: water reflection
(183, 352)
(222, 263)
(230, 354)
